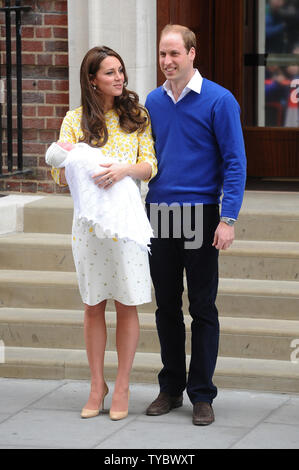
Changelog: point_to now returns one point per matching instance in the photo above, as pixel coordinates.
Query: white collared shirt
(194, 84)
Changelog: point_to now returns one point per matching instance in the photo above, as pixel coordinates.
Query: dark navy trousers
(169, 259)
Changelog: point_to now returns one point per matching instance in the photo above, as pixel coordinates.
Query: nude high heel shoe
(117, 415)
(86, 413)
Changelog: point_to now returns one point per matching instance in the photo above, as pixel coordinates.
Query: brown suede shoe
(203, 414)
(163, 404)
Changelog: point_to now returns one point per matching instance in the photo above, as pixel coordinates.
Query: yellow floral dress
(110, 268)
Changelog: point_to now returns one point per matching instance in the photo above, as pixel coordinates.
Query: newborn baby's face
(66, 145)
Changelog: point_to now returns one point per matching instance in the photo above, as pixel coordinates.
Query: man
(200, 151)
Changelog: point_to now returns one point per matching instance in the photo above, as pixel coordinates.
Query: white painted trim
(128, 26)
(78, 45)
(261, 69)
(12, 212)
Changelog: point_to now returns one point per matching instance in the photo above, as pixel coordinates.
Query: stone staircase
(41, 315)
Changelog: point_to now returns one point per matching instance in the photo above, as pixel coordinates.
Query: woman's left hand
(114, 172)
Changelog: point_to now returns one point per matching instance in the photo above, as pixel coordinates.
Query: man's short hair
(188, 36)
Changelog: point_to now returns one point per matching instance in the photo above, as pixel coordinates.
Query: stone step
(245, 259)
(63, 329)
(37, 251)
(41, 313)
(258, 298)
(269, 260)
(236, 297)
(267, 227)
(264, 215)
(43, 363)
(258, 338)
(52, 214)
(267, 215)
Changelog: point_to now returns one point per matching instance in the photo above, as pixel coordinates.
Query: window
(272, 63)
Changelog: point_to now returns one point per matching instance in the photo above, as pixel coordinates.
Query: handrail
(8, 9)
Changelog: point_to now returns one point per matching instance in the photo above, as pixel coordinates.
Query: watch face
(228, 221)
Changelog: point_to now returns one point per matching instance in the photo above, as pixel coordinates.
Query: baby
(116, 212)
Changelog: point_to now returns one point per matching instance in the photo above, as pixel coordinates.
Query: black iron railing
(11, 168)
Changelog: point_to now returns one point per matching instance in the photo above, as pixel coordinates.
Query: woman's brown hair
(132, 115)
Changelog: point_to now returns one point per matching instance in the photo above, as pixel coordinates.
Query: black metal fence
(8, 168)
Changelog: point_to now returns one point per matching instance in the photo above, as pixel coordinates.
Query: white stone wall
(128, 26)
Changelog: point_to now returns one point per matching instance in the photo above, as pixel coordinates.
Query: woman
(111, 119)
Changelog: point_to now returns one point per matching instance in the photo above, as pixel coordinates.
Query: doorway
(235, 51)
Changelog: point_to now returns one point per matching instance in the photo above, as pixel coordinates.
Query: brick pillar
(45, 89)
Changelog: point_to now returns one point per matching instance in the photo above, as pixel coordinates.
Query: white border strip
(12, 212)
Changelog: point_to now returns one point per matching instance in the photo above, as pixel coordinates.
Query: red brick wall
(45, 89)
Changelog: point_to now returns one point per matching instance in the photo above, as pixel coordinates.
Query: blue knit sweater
(199, 147)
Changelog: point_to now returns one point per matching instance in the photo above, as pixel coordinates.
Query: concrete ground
(42, 414)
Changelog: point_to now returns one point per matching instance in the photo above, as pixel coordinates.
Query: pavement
(45, 414)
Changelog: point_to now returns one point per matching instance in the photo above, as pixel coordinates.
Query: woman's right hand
(66, 146)
(62, 178)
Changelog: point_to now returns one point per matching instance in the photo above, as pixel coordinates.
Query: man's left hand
(224, 236)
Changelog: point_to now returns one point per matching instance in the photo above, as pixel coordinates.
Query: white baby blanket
(116, 211)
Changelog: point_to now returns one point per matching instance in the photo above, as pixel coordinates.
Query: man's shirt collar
(194, 84)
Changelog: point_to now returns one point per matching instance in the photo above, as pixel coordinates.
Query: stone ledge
(12, 212)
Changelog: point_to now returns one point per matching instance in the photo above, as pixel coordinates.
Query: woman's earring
(94, 87)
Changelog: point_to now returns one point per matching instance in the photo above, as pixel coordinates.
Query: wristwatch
(228, 220)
